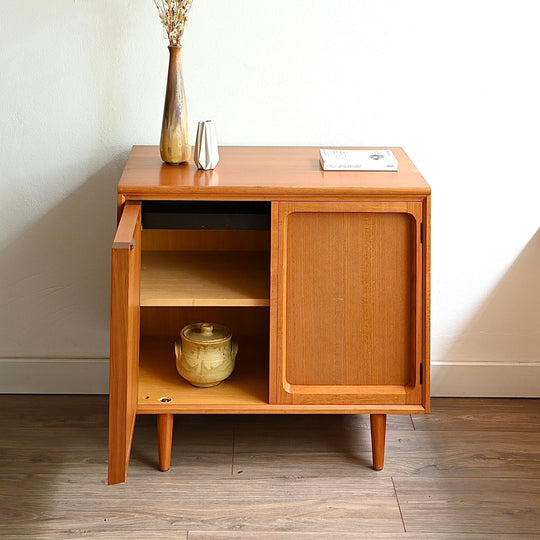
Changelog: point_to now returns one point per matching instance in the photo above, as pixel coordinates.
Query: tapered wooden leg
(165, 431)
(378, 436)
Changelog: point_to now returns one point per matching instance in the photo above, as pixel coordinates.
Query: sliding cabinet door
(349, 303)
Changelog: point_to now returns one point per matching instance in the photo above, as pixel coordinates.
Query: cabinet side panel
(426, 347)
(350, 284)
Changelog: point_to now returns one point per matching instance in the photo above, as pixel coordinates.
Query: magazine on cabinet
(358, 160)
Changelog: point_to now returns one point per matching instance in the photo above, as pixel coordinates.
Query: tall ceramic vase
(175, 144)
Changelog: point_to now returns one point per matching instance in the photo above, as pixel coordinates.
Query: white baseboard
(485, 379)
(91, 376)
(54, 376)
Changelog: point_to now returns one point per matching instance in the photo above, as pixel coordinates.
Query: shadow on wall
(507, 326)
(56, 276)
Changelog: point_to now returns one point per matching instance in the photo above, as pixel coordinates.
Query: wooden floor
(470, 470)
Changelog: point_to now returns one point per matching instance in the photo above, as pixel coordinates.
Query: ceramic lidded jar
(205, 354)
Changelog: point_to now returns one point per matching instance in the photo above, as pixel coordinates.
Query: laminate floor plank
(473, 414)
(143, 461)
(159, 534)
(315, 535)
(229, 504)
(164, 534)
(311, 433)
(470, 454)
(77, 449)
(198, 447)
(470, 505)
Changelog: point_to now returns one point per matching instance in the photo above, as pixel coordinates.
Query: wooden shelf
(246, 388)
(245, 391)
(204, 278)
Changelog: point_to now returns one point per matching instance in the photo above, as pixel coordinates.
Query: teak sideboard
(322, 277)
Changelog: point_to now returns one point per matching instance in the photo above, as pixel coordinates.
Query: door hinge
(422, 232)
(421, 372)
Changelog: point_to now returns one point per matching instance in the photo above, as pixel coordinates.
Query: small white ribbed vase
(206, 154)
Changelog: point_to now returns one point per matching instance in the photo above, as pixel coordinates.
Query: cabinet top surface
(262, 172)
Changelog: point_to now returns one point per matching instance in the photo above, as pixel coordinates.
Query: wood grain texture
(471, 414)
(316, 535)
(180, 240)
(348, 298)
(344, 450)
(169, 321)
(265, 172)
(276, 325)
(165, 438)
(163, 390)
(426, 304)
(203, 278)
(378, 436)
(350, 303)
(479, 505)
(124, 347)
(467, 476)
(225, 504)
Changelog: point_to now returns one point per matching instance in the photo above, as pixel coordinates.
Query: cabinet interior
(196, 274)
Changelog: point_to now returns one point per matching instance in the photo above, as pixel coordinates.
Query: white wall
(453, 82)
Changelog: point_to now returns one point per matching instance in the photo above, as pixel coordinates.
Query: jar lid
(206, 333)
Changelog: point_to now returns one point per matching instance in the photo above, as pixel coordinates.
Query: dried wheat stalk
(173, 15)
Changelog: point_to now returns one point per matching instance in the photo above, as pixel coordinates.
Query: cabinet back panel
(203, 240)
(350, 288)
(168, 321)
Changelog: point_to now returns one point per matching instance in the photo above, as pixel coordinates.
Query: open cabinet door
(124, 361)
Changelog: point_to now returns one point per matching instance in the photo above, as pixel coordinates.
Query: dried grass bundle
(173, 15)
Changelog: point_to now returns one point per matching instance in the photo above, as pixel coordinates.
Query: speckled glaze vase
(175, 143)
